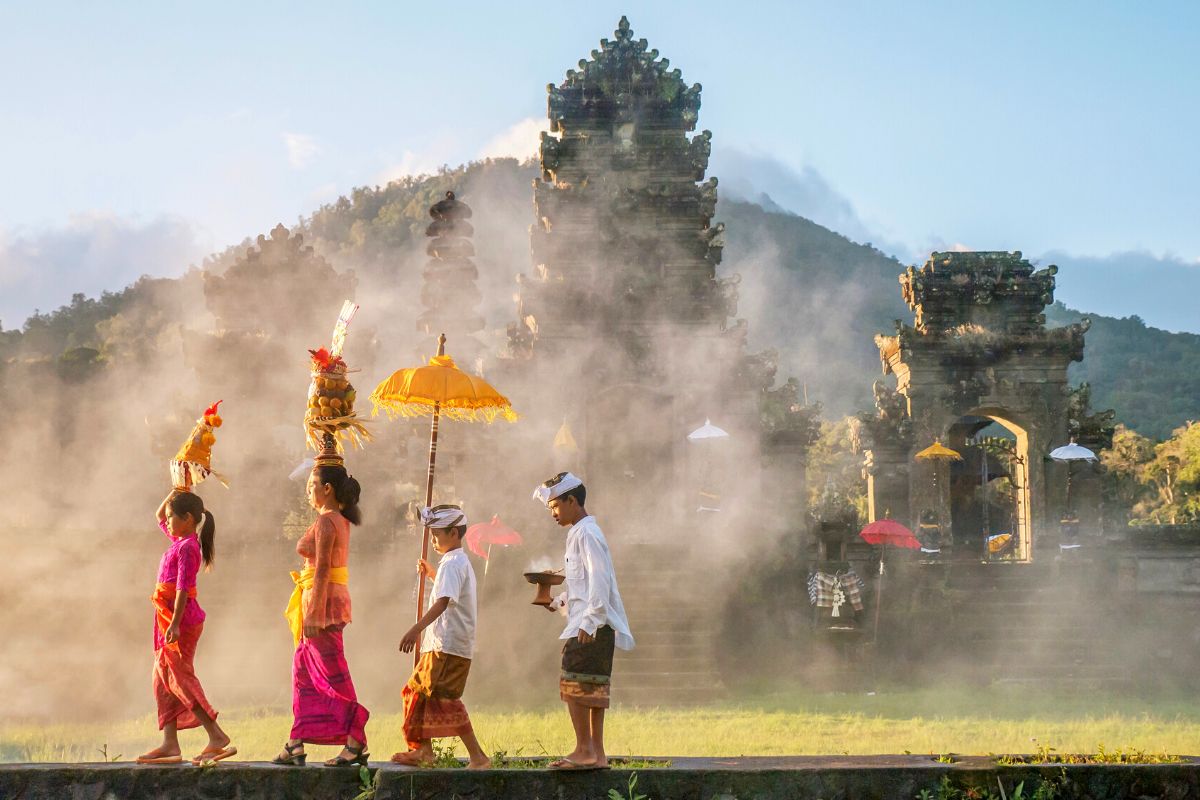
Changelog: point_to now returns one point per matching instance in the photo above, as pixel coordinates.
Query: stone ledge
(793, 778)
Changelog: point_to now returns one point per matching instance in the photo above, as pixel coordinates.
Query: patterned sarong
(587, 669)
(433, 708)
(324, 705)
(177, 690)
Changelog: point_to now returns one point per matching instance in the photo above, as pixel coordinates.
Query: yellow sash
(304, 581)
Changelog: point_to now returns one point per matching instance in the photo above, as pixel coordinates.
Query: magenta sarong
(324, 705)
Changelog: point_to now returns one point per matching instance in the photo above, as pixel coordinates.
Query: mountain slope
(810, 293)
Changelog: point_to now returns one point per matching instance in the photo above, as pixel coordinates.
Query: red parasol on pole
(889, 532)
(885, 532)
(482, 535)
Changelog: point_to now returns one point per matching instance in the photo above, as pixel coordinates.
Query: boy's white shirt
(454, 631)
(592, 599)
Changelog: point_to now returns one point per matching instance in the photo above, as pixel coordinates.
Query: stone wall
(793, 778)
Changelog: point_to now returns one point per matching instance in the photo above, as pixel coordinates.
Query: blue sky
(1053, 128)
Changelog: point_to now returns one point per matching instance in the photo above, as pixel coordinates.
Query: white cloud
(520, 141)
(92, 253)
(301, 149)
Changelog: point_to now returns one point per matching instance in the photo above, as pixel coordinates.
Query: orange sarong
(433, 706)
(177, 690)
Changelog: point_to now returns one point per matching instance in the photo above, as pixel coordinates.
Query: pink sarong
(324, 705)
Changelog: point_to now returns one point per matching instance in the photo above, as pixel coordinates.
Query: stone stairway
(674, 662)
(1030, 623)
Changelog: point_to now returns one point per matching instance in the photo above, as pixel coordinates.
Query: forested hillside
(808, 292)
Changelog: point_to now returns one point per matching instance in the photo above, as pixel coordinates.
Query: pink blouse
(326, 544)
(179, 567)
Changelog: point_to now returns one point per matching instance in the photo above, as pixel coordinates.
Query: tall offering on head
(193, 463)
(330, 417)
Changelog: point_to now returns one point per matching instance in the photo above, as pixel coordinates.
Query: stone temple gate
(978, 355)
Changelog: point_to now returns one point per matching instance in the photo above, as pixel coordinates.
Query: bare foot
(485, 763)
(414, 758)
(581, 757)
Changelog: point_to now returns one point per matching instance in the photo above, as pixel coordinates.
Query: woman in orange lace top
(325, 707)
(325, 545)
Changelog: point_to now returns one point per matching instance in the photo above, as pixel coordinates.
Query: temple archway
(989, 490)
(979, 347)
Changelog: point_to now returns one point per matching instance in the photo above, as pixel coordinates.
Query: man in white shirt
(433, 706)
(596, 621)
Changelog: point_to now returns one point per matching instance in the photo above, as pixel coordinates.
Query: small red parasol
(889, 532)
(482, 535)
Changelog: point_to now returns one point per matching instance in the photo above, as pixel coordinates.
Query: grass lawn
(976, 721)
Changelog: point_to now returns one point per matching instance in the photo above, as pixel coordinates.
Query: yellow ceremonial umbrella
(937, 453)
(439, 389)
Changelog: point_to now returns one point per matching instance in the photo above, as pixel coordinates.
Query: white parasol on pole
(709, 498)
(1067, 454)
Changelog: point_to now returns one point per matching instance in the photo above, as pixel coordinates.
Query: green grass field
(958, 721)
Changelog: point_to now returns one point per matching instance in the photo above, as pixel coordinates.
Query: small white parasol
(707, 431)
(302, 469)
(1072, 452)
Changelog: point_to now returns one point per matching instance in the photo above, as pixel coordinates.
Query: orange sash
(164, 606)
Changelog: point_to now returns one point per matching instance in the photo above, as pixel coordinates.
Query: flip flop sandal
(215, 755)
(567, 765)
(160, 760)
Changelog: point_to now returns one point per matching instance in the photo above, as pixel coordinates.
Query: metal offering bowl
(543, 581)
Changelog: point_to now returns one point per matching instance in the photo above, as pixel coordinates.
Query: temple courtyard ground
(965, 721)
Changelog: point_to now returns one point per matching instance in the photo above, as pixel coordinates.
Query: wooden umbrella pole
(878, 598)
(433, 436)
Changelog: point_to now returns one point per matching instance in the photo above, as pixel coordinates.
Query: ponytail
(206, 525)
(346, 490)
(207, 546)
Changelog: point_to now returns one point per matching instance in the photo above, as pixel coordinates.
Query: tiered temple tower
(978, 352)
(627, 334)
(449, 293)
(623, 238)
(624, 284)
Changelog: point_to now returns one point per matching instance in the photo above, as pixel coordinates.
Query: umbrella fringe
(448, 410)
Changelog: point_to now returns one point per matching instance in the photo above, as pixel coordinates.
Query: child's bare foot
(421, 757)
(576, 759)
(483, 763)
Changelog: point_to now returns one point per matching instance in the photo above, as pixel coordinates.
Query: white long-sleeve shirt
(592, 598)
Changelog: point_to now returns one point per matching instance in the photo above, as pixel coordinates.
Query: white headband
(557, 486)
(443, 516)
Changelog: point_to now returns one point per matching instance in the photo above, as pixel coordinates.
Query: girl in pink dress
(179, 621)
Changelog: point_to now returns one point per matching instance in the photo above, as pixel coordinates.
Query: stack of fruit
(193, 463)
(331, 401)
